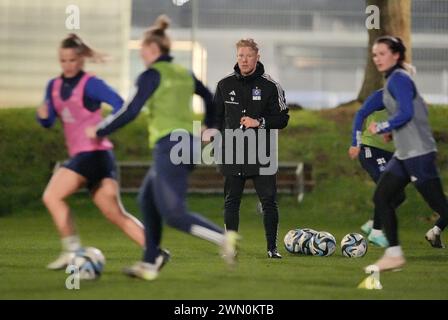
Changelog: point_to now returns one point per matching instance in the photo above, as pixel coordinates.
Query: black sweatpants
(422, 171)
(266, 188)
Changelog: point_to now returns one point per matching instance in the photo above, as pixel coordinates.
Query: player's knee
(382, 198)
(108, 191)
(399, 199)
(173, 220)
(144, 194)
(378, 197)
(48, 197)
(144, 202)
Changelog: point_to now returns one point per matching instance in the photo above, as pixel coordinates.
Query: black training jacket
(257, 96)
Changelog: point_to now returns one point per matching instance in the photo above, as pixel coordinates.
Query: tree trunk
(395, 20)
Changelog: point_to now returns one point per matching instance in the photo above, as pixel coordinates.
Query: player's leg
(233, 191)
(380, 160)
(107, 198)
(382, 157)
(427, 181)
(151, 218)
(266, 188)
(374, 161)
(62, 184)
(432, 192)
(163, 195)
(368, 162)
(100, 170)
(154, 257)
(171, 203)
(392, 182)
(171, 183)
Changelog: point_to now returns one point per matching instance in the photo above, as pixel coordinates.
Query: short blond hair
(247, 43)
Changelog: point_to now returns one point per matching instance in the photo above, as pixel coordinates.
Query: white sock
(436, 230)
(207, 234)
(394, 252)
(71, 243)
(369, 223)
(149, 266)
(376, 232)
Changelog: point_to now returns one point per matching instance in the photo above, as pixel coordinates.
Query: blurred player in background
(415, 156)
(166, 89)
(75, 98)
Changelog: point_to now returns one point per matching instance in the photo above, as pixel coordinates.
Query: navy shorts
(417, 169)
(374, 160)
(94, 166)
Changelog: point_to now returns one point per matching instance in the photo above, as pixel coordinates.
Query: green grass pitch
(339, 204)
(196, 270)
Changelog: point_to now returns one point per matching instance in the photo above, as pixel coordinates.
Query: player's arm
(402, 89)
(214, 115)
(98, 90)
(46, 113)
(373, 103)
(146, 85)
(201, 90)
(219, 110)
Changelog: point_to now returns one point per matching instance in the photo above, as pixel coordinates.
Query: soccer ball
(90, 263)
(304, 240)
(354, 245)
(322, 244)
(291, 240)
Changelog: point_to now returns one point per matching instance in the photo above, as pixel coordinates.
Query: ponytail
(156, 34)
(410, 68)
(73, 41)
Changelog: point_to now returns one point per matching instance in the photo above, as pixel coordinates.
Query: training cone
(370, 283)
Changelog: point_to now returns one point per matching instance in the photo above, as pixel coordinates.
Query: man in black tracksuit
(249, 99)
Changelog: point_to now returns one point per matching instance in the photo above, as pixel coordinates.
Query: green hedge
(28, 151)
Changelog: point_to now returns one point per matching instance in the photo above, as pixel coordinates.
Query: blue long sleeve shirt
(403, 90)
(147, 83)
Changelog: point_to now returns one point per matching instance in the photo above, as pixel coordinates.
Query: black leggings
(384, 198)
(373, 161)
